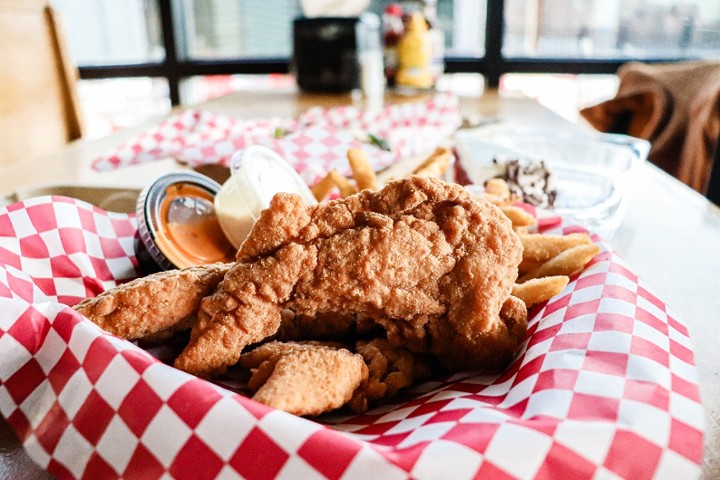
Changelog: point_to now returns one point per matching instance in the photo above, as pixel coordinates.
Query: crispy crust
(304, 379)
(390, 369)
(325, 326)
(245, 309)
(423, 259)
(154, 306)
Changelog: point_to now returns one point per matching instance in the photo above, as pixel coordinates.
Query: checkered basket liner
(324, 135)
(604, 386)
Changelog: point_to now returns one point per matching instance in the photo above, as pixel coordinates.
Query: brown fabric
(674, 106)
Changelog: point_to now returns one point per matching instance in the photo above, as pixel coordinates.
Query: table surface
(670, 235)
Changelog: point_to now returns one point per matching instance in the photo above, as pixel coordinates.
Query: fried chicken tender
(155, 306)
(390, 369)
(421, 258)
(304, 378)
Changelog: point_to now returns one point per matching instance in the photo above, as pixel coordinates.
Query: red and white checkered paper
(604, 387)
(322, 134)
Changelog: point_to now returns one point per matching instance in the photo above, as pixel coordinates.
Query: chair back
(38, 104)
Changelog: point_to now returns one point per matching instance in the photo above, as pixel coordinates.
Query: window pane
(113, 104)
(111, 32)
(466, 19)
(252, 29)
(238, 28)
(564, 94)
(612, 28)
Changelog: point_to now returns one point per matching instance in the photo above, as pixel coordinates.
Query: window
(217, 29)
(188, 50)
(108, 32)
(620, 29)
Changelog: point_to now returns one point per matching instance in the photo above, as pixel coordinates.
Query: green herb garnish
(281, 132)
(379, 142)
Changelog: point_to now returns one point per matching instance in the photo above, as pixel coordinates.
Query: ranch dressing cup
(256, 175)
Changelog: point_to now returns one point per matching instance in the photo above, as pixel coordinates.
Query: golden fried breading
(323, 326)
(154, 306)
(390, 369)
(422, 258)
(304, 379)
(245, 311)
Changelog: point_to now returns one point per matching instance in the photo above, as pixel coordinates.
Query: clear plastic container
(610, 152)
(590, 171)
(256, 175)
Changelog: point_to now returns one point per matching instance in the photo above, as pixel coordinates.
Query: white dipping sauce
(257, 174)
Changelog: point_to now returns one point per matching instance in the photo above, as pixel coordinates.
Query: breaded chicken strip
(422, 258)
(390, 369)
(154, 306)
(304, 379)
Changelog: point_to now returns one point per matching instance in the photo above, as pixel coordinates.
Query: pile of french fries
(365, 178)
(548, 261)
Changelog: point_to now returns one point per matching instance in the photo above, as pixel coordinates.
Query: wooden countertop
(670, 235)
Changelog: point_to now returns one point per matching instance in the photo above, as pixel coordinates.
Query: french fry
(527, 265)
(321, 190)
(346, 188)
(435, 165)
(494, 199)
(539, 247)
(518, 216)
(568, 262)
(540, 289)
(362, 170)
(499, 187)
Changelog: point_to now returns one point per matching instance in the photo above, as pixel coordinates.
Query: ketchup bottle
(392, 31)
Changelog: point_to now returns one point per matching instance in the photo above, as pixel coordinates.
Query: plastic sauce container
(177, 224)
(256, 175)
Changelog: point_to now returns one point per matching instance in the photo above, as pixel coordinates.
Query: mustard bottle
(414, 55)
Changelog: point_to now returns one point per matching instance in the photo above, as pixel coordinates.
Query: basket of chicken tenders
(405, 328)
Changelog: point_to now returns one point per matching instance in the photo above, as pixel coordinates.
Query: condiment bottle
(370, 56)
(437, 39)
(414, 55)
(392, 31)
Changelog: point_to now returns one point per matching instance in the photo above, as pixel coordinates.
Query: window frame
(174, 67)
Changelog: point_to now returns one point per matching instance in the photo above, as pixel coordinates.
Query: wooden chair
(38, 104)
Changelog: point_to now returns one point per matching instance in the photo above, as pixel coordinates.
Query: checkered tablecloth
(324, 135)
(604, 387)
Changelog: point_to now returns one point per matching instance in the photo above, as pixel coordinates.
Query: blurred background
(139, 58)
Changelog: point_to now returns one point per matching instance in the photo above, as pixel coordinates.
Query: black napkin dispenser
(325, 53)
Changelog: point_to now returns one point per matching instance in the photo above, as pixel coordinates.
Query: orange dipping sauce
(196, 241)
(177, 223)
